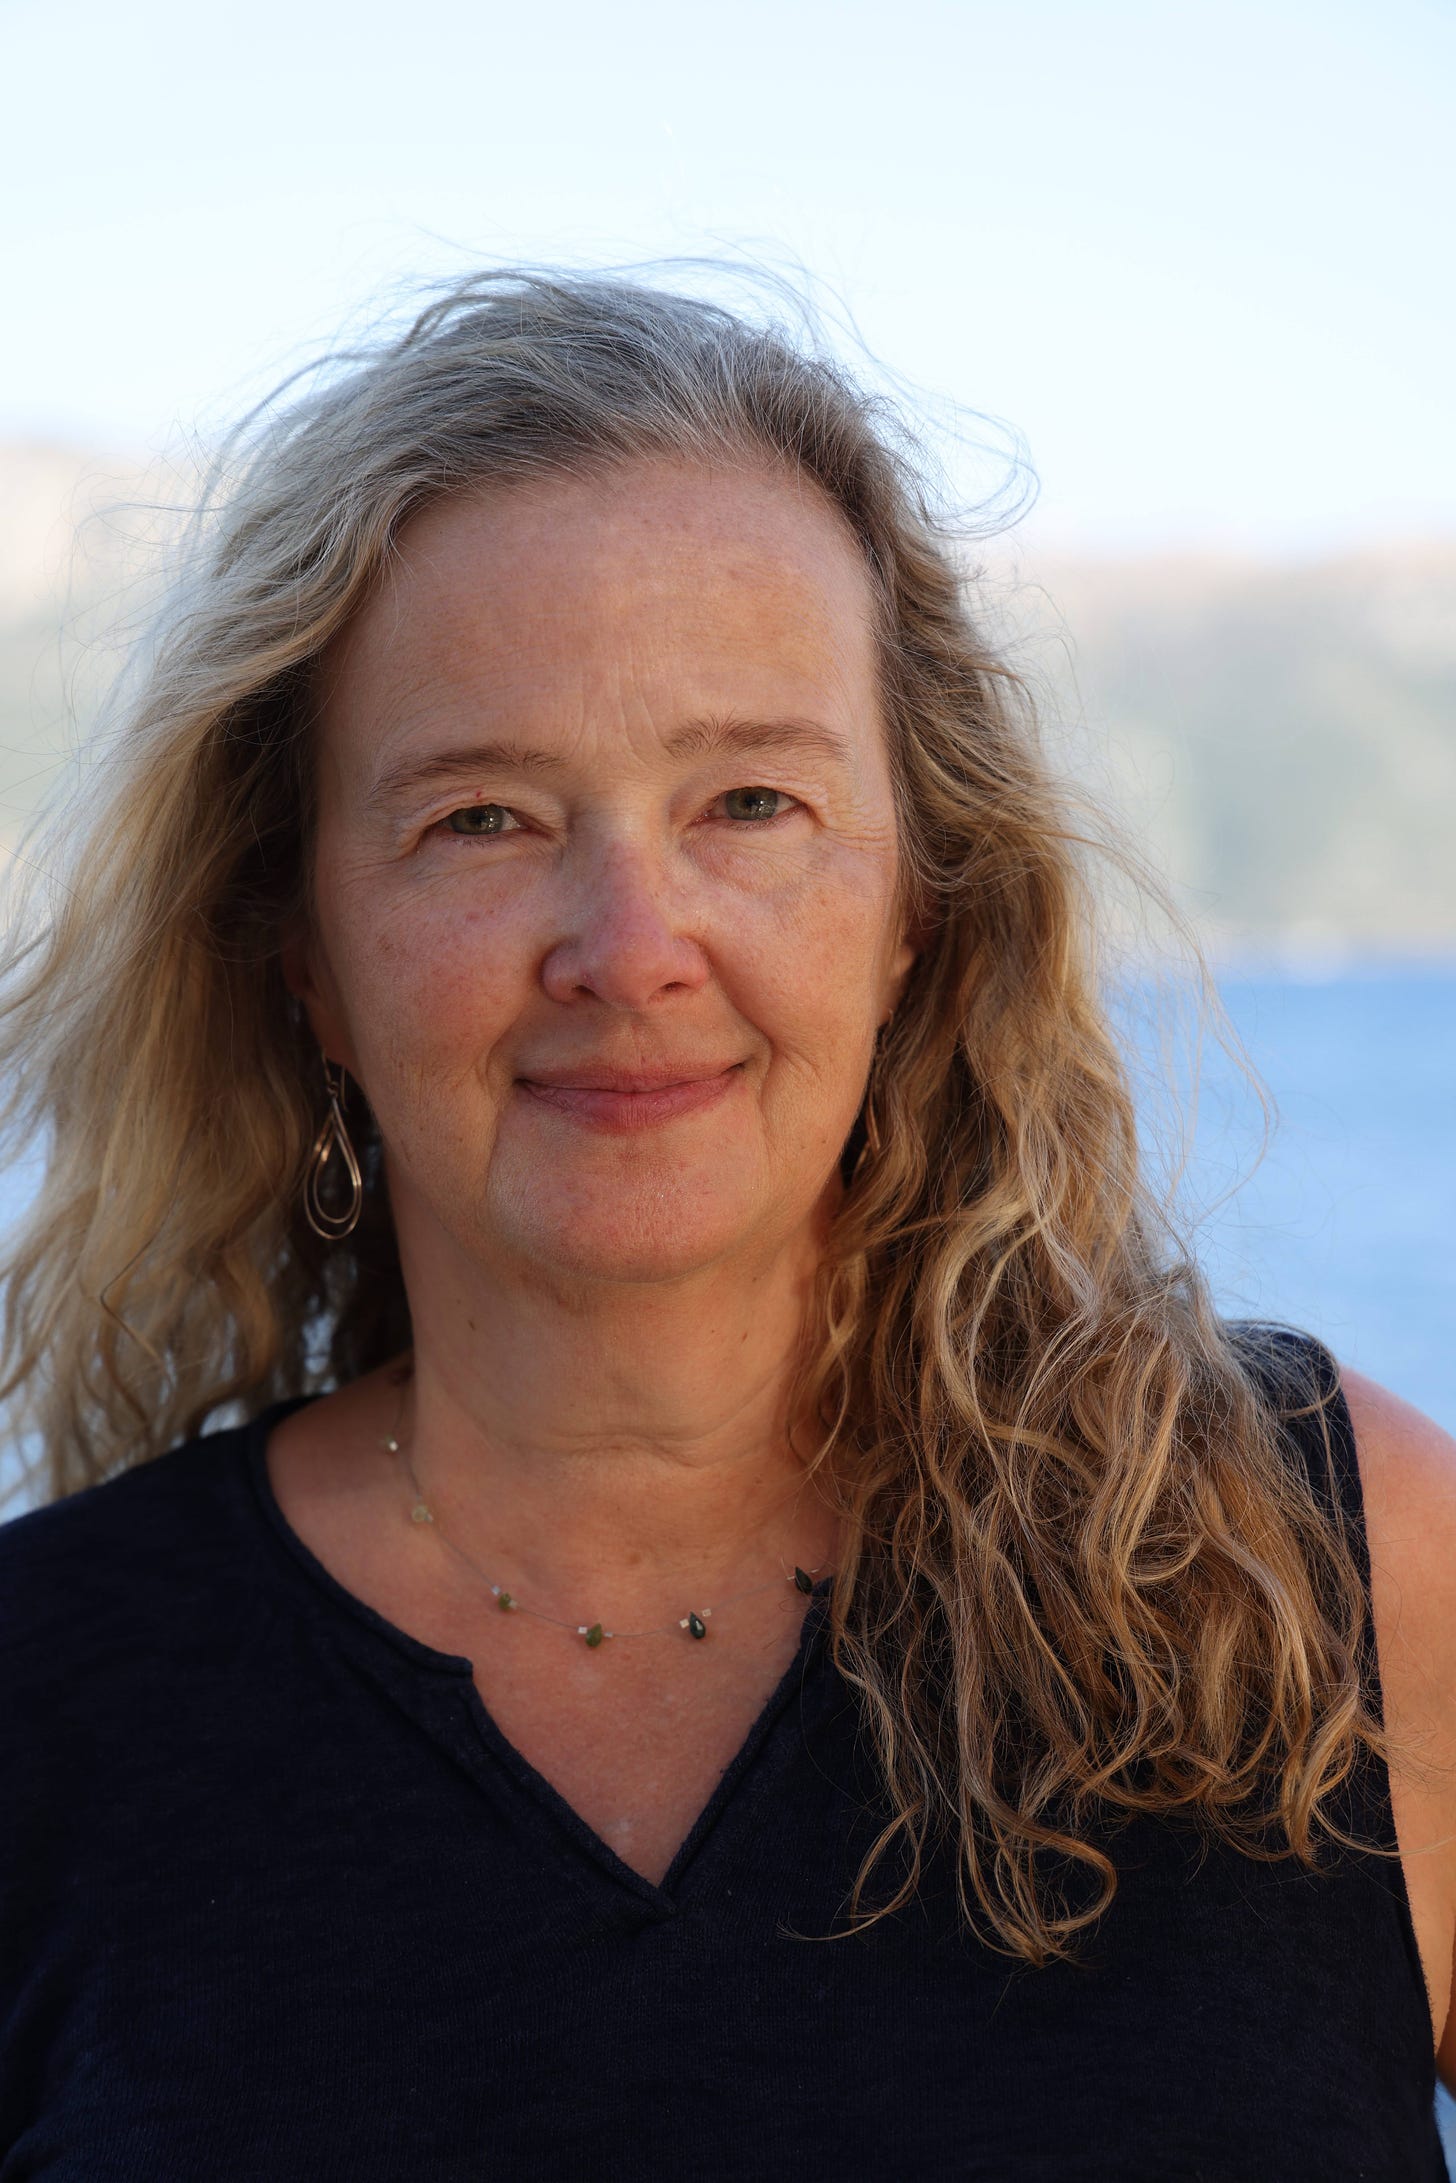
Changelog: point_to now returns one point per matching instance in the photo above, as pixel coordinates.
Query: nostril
(624, 960)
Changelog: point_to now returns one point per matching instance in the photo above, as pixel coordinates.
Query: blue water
(1347, 1225)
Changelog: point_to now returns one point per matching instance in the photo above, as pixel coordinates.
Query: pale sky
(1198, 256)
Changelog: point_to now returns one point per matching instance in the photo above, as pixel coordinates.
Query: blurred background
(1173, 283)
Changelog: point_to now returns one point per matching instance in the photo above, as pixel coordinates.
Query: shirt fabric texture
(278, 1901)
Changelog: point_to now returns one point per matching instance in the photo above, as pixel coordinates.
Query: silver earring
(332, 1137)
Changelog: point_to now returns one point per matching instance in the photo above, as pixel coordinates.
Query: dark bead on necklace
(595, 1635)
(802, 1579)
(697, 1627)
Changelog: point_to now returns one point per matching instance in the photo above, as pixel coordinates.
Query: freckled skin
(624, 917)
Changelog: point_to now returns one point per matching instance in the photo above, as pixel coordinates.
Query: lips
(623, 1100)
(598, 1076)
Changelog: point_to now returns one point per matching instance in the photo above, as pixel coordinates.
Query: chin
(640, 1231)
(647, 1257)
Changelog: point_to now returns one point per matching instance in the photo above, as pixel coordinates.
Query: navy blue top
(278, 1901)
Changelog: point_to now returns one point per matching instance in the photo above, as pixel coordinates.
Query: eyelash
(461, 833)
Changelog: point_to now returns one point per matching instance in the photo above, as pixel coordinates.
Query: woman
(754, 1615)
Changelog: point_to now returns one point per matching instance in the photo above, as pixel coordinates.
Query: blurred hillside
(1281, 737)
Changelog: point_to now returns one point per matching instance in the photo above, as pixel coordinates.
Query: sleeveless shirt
(278, 1901)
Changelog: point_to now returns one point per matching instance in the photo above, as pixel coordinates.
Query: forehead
(686, 584)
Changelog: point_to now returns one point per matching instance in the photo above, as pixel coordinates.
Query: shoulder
(87, 1573)
(1399, 1467)
(1403, 1462)
(1408, 1480)
(1403, 1448)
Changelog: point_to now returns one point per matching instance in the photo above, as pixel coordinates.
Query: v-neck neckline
(744, 1773)
(733, 1785)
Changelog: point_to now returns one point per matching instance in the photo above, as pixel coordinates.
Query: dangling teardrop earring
(332, 1137)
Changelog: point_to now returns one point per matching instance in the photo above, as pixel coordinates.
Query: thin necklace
(593, 1634)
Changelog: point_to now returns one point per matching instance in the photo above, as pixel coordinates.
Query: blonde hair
(1083, 1578)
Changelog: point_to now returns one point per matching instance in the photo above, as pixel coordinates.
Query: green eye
(479, 818)
(753, 803)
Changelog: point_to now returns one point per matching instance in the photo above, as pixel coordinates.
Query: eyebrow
(708, 738)
(714, 738)
(450, 765)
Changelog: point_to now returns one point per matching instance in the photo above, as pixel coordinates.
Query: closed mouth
(598, 1078)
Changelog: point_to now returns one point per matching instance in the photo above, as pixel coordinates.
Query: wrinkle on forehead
(736, 592)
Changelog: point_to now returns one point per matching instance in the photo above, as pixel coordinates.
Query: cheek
(428, 980)
(811, 965)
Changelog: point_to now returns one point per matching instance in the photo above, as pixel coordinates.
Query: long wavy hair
(1083, 1578)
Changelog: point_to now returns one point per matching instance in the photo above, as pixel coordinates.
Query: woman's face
(606, 902)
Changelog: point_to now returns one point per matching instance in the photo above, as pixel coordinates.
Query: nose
(626, 943)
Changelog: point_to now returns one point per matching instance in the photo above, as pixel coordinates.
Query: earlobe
(297, 971)
(906, 955)
(297, 960)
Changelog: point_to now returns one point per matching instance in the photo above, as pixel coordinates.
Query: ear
(308, 979)
(902, 962)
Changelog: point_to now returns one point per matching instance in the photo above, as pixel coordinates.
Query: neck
(627, 1437)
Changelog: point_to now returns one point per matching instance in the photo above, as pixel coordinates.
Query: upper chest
(635, 1737)
(635, 1733)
